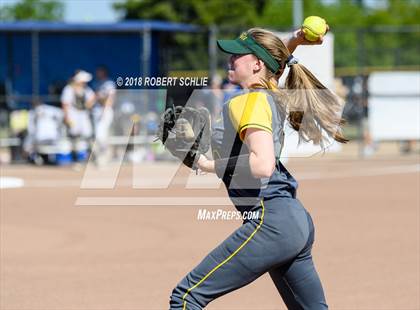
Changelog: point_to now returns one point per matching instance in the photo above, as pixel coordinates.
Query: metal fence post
(35, 66)
(361, 64)
(147, 46)
(212, 35)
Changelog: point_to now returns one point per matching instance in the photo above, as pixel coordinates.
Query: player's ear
(258, 65)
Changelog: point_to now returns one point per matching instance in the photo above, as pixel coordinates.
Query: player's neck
(251, 81)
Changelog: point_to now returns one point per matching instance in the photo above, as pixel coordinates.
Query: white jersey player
(77, 100)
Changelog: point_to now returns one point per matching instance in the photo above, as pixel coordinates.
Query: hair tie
(291, 60)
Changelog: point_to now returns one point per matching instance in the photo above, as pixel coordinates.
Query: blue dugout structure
(37, 54)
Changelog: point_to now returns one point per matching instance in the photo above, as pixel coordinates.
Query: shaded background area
(39, 58)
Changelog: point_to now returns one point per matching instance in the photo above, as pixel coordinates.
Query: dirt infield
(56, 255)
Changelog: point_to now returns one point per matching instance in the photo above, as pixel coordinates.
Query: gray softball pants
(278, 242)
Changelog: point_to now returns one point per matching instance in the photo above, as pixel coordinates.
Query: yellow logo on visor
(243, 36)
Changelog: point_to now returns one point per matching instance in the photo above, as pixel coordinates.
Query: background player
(77, 100)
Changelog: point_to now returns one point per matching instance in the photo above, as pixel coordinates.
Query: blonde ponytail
(313, 110)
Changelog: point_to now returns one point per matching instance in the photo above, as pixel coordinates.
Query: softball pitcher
(246, 143)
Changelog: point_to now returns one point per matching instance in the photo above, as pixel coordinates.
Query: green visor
(245, 44)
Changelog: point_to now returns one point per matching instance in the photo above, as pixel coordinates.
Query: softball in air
(313, 27)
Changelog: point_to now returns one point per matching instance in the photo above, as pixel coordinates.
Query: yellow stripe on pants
(225, 261)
